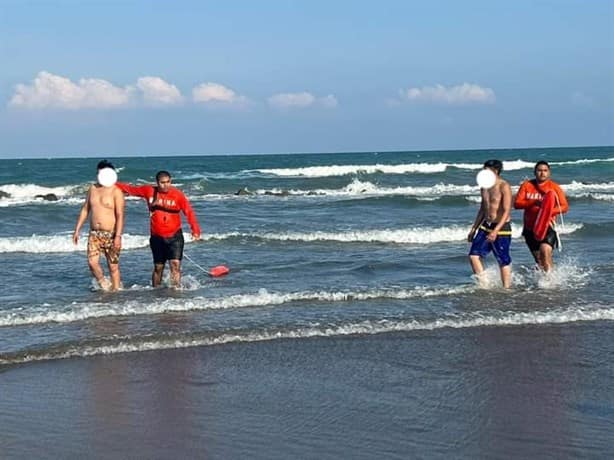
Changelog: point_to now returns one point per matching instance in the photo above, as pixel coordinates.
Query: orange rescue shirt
(165, 220)
(529, 198)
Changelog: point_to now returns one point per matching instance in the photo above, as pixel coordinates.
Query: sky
(122, 78)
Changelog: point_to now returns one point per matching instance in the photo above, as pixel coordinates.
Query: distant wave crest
(406, 168)
(20, 195)
(360, 188)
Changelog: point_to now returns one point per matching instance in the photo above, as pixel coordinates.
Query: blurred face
(164, 184)
(542, 173)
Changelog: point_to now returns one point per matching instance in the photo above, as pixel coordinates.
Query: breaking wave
(88, 310)
(478, 319)
(414, 235)
(406, 168)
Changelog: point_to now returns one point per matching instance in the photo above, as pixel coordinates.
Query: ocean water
(357, 247)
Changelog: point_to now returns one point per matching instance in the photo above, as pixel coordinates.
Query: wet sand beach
(523, 392)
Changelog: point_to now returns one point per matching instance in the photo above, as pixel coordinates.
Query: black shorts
(164, 249)
(533, 244)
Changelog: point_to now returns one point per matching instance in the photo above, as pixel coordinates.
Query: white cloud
(49, 91)
(156, 91)
(53, 91)
(214, 93)
(455, 95)
(102, 94)
(301, 100)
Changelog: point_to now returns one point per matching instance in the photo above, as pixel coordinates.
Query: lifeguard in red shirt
(529, 197)
(165, 204)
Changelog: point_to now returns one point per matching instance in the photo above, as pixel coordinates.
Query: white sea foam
(343, 170)
(61, 243)
(362, 328)
(514, 165)
(263, 298)
(413, 235)
(27, 194)
(21, 194)
(31, 190)
(188, 283)
(405, 168)
(490, 278)
(567, 271)
(583, 161)
(508, 165)
(358, 187)
(362, 188)
(599, 196)
(583, 187)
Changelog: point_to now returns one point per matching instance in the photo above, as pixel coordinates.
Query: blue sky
(92, 78)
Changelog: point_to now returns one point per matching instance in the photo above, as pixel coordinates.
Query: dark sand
(505, 392)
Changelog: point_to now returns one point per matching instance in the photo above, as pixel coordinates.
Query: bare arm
(476, 223)
(191, 216)
(118, 198)
(85, 210)
(506, 205)
(562, 204)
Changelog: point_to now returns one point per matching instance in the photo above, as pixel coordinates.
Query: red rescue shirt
(529, 197)
(165, 220)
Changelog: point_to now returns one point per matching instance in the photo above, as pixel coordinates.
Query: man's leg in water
(545, 257)
(478, 268)
(506, 276)
(156, 275)
(114, 274)
(175, 265)
(93, 261)
(535, 255)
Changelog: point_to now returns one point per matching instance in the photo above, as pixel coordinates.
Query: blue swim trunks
(501, 246)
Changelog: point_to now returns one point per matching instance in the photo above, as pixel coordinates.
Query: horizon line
(339, 152)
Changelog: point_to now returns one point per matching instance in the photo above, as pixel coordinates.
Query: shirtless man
(492, 223)
(106, 225)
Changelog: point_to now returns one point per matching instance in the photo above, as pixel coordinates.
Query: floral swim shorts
(100, 241)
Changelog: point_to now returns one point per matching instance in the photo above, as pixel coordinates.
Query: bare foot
(105, 284)
(482, 279)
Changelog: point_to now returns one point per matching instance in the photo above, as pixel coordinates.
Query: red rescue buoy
(219, 270)
(544, 217)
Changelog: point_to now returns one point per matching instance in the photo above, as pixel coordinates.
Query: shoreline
(467, 393)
